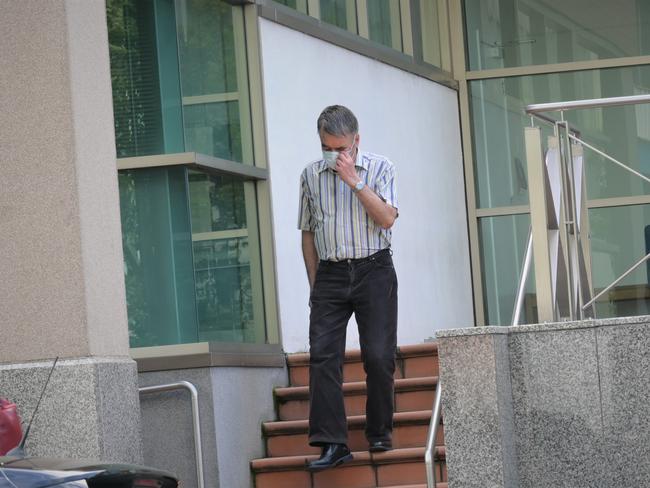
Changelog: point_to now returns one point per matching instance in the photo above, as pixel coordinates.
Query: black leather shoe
(380, 446)
(332, 455)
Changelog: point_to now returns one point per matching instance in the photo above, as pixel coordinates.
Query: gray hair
(337, 120)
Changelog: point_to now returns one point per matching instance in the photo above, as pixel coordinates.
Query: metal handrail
(616, 281)
(536, 108)
(196, 424)
(571, 134)
(608, 157)
(431, 437)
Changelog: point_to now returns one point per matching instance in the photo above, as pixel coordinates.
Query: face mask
(330, 157)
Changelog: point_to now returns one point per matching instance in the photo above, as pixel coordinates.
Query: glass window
(620, 236)
(384, 24)
(341, 13)
(498, 121)
(509, 33)
(157, 244)
(431, 35)
(503, 246)
(180, 80)
(214, 79)
(192, 262)
(134, 76)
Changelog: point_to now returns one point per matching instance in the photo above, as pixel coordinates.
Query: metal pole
(196, 424)
(574, 234)
(519, 300)
(607, 156)
(617, 280)
(565, 214)
(431, 438)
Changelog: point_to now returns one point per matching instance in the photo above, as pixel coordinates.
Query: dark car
(30, 472)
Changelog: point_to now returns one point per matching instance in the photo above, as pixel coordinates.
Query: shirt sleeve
(386, 188)
(305, 220)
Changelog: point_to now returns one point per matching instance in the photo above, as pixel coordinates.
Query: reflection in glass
(430, 33)
(214, 129)
(620, 236)
(157, 248)
(192, 265)
(384, 23)
(214, 79)
(179, 78)
(510, 33)
(226, 273)
(134, 77)
(498, 121)
(503, 245)
(341, 13)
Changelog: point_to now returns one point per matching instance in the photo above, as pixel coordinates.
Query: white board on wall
(412, 121)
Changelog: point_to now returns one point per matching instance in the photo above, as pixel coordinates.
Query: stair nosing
(288, 427)
(289, 393)
(396, 456)
(354, 355)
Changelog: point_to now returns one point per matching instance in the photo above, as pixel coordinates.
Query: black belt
(372, 257)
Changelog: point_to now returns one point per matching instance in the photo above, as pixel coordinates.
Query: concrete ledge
(206, 355)
(90, 408)
(544, 327)
(555, 404)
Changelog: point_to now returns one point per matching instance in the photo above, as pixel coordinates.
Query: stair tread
(286, 463)
(353, 355)
(404, 384)
(280, 427)
(439, 484)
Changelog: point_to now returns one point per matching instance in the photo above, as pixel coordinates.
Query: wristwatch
(358, 187)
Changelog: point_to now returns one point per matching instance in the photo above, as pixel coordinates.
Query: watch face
(359, 186)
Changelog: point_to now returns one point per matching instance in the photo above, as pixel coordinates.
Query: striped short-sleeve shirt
(329, 208)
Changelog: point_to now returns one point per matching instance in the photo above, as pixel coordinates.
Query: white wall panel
(407, 118)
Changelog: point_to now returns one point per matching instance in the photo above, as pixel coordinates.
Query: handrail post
(431, 437)
(196, 424)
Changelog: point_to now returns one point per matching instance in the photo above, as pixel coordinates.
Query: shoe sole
(380, 449)
(338, 462)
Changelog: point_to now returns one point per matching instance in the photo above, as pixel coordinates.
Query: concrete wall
(548, 405)
(233, 403)
(61, 269)
(409, 119)
(61, 265)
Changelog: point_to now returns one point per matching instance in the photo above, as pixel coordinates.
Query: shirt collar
(361, 162)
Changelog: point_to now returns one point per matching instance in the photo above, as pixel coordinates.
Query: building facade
(214, 107)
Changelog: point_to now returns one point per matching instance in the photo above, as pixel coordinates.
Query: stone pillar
(61, 270)
(477, 408)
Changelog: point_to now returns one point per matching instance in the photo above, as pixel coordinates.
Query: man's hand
(346, 169)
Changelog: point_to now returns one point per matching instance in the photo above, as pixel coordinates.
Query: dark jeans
(368, 288)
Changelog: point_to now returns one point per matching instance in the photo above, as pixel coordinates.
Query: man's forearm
(381, 212)
(310, 255)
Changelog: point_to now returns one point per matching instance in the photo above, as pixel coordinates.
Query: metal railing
(559, 219)
(196, 424)
(429, 450)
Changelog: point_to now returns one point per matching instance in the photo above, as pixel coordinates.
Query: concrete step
(400, 467)
(438, 485)
(411, 394)
(413, 361)
(289, 438)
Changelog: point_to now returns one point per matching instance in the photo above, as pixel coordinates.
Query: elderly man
(348, 205)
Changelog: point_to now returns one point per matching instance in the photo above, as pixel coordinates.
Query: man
(348, 204)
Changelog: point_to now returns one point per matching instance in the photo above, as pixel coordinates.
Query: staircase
(288, 451)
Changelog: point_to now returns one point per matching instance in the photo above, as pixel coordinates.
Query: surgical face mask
(330, 157)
